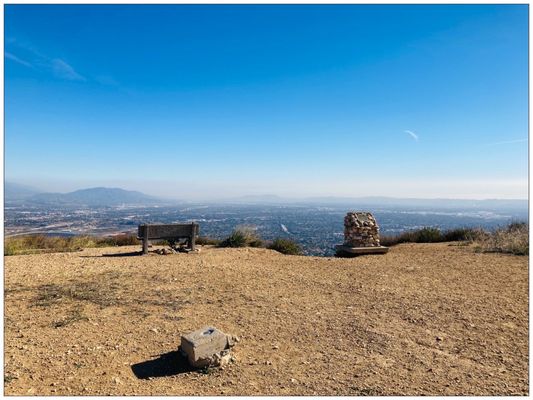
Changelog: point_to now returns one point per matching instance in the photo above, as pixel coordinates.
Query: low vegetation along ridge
(512, 239)
(29, 244)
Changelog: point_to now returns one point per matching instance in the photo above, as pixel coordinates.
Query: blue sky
(196, 101)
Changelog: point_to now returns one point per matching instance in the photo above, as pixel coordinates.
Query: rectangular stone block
(202, 345)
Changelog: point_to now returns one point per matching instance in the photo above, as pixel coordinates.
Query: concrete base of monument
(347, 251)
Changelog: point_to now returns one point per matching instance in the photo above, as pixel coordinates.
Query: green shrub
(388, 240)
(428, 235)
(461, 234)
(424, 235)
(242, 237)
(236, 239)
(286, 246)
(255, 242)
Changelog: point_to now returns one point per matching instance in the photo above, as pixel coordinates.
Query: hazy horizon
(221, 101)
(182, 193)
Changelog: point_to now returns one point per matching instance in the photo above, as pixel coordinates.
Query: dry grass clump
(102, 292)
(512, 239)
(118, 240)
(107, 289)
(42, 244)
(29, 244)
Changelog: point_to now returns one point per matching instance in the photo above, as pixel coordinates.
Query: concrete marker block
(204, 346)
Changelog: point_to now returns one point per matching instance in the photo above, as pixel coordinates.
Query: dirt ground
(424, 319)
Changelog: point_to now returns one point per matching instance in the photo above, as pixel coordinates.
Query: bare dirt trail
(430, 319)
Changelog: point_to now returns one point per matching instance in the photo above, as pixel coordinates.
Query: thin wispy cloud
(39, 61)
(18, 60)
(63, 70)
(412, 134)
(36, 56)
(58, 67)
(507, 142)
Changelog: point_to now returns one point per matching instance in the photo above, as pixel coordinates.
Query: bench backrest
(169, 231)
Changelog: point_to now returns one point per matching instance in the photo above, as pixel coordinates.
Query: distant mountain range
(425, 203)
(101, 196)
(98, 196)
(381, 201)
(14, 191)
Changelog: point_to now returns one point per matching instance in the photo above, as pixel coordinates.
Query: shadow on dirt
(168, 364)
(129, 254)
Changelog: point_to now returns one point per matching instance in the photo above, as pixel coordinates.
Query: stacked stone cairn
(361, 230)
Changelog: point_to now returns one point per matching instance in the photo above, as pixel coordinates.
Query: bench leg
(192, 241)
(145, 241)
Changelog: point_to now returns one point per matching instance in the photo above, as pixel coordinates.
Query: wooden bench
(170, 232)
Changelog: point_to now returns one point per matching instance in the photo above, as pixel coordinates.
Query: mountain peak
(97, 196)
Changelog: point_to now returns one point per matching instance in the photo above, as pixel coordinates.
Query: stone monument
(207, 347)
(361, 235)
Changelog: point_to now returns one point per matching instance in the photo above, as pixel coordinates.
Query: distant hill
(98, 196)
(422, 203)
(15, 191)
